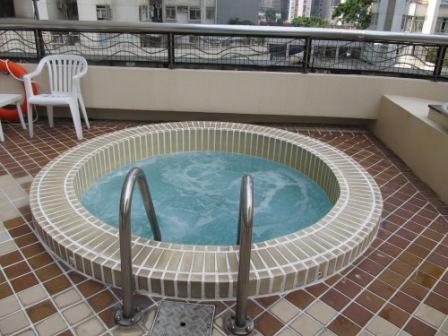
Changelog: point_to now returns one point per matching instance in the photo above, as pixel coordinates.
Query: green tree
(356, 12)
(238, 21)
(271, 16)
(309, 21)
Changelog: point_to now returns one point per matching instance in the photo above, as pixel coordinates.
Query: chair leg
(83, 109)
(74, 109)
(30, 119)
(19, 111)
(50, 115)
(2, 137)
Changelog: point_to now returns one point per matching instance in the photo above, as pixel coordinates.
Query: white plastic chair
(64, 73)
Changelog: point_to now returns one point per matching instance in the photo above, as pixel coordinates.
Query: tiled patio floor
(398, 287)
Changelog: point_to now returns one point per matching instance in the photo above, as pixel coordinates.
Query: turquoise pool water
(196, 197)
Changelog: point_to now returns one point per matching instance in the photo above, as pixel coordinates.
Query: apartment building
(178, 11)
(421, 16)
(294, 8)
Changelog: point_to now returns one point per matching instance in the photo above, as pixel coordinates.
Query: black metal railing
(229, 47)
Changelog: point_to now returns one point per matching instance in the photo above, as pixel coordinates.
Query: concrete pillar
(432, 13)
(399, 11)
(382, 10)
(203, 10)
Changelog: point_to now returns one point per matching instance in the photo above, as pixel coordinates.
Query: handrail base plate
(127, 321)
(230, 325)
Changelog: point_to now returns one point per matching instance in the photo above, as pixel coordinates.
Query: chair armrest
(28, 85)
(36, 72)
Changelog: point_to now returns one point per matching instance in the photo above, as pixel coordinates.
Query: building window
(170, 12)
(103, 12)
(210, 13)
(144, 13)
(195, 13)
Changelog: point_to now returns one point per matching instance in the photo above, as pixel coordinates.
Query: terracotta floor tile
(370, 301)
(102, 300)
(332, 280)
(442, 289)
(26, 240)
(431, 269)
(360, 277)
(317, 289)
(415, 290)
(343, 326)
(19, 231)
(348, 287)
(390, 249)
(57, 284)
(41, 310)
(32, 250)
(10, 258)
(418, 250)
(24, 282)
(409, 208)
(401, 268)
(335, 299)
(357, 314)
(16, 270)
(107, 316)
(40, 260)
(438, 302)
(423, 279)
(405, 302)
(13, 223)
(90, 287)
(253, 309)
(300, 298)
(48, 272)
(5, 290)
(394, 315)
(76, 277)
(267, 324)
(391, 278)
(65, 333)
(418, 328)
(370, 267)
(267, 301)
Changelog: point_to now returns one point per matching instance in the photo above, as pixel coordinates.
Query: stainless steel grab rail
(128, 314)
(240, 323)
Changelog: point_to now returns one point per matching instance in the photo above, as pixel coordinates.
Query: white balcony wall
(152, 91)
(23, 8)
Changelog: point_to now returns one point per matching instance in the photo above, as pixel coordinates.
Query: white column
(399, 11)
(432, 13)
(203, 6)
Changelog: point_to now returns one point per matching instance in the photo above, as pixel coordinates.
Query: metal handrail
(132, 27)
(240, 323)
(128, 314)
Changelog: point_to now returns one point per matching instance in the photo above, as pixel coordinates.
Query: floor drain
(195, 319)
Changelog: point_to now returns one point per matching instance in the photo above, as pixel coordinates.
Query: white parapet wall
(403, 125)
(241, 92)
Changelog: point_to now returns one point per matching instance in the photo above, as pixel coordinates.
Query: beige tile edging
(206, 272)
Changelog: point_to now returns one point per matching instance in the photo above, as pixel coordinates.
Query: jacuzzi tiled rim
(206, 272)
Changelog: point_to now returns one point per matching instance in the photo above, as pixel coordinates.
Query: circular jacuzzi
(279, 264)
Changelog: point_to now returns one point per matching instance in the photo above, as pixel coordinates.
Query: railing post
(438, 65)
(240, 323)
(171, 54)
(129, 314)
(39, 42)
(307, 54)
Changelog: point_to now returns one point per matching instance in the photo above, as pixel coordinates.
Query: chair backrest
(62, 69)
